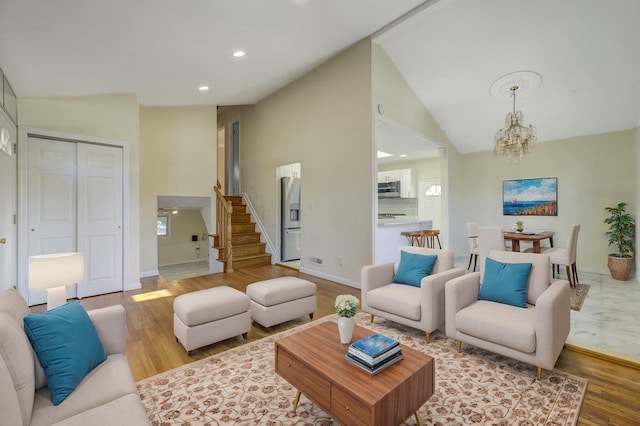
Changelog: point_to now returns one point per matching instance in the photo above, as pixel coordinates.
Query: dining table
(534, 237)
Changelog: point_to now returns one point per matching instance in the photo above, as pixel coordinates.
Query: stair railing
(224, 208)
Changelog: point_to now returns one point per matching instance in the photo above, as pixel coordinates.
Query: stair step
(236, 200)
(252, 260)
(242, 228)
(245, 238)
(238, 218)
(243, 250)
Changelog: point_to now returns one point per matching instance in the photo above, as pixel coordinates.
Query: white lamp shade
(55, 270)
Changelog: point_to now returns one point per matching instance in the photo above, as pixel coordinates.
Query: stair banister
(224, 209)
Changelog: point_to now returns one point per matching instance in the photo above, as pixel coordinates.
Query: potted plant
(346, 306)
(519, 225)
(622, 231)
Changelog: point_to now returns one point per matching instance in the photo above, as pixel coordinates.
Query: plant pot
(620, 267)
(345, 327)
(519, 229)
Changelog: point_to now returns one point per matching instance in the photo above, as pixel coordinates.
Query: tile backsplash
(405, 206)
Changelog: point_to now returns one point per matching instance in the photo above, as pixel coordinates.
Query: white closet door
(7, 204)
(52, 202)
(100, 207)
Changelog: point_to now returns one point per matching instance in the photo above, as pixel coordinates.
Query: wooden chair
(416, 238)
(430, 236)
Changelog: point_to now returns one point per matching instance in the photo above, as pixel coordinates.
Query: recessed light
(382, 154)
(403, 155)
(203, 88)
(238, 53)
(174, 212)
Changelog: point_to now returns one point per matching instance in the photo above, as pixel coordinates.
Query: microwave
(389, 189)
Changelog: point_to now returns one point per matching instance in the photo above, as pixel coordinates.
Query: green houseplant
(622, 231)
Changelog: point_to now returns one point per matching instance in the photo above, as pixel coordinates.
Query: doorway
(233, 158)
(7, 203)
(430, 202)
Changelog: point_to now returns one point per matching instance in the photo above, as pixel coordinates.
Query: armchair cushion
(499, 323)
(397, 299)
(505, 282)
(413, 268)
(67, 346)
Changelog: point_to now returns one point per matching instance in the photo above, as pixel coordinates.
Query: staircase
(246, 248)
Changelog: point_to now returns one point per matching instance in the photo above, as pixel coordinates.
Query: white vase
(345, 327)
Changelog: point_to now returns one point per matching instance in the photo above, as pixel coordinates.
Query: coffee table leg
(418, 420)
(295, 401)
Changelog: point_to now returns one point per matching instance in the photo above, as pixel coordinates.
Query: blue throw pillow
(67, 346)
(505, 282)
(413, 268)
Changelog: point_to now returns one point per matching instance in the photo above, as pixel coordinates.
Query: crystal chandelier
(515, 139)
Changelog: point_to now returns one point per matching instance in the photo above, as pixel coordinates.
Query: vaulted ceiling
(449, 51)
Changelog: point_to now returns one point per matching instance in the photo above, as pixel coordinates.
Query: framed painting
(530, 197)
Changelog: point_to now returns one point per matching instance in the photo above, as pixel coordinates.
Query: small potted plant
(519, 225)
(622, 231)
(346, 306)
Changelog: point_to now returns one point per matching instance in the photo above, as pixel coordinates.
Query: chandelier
(515, 139)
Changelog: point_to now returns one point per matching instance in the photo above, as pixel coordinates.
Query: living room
(327, 114)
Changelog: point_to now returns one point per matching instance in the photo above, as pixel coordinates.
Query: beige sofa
(535, 334)
(106, 396)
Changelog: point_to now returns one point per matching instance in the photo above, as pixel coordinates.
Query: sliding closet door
(52, 202)
(75, 203)
(100, 218)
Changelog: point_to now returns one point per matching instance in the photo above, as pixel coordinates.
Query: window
(162, 226)
(433, 191)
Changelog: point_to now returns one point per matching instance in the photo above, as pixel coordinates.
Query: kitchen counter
(388, 238)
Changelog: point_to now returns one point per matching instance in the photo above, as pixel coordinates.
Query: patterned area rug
(578, 294)
(240, 387)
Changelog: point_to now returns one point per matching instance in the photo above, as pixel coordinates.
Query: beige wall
(178, 246)
(593, 172)
(177, 158)
(324, 122)
(103, 116)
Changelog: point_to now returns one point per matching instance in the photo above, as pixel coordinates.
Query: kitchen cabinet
(407, 184)
(389, 176)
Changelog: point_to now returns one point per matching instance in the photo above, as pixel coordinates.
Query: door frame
(24, 133)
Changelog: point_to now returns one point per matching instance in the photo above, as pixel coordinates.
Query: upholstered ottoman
(208, 316)
(281, 299)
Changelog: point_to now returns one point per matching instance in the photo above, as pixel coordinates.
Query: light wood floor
(612, 395)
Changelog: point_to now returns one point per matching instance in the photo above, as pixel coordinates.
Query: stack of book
(374, 353)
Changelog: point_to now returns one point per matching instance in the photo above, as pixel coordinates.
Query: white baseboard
(184, 262)
(133, 286)
(330, 277)
(148, 274)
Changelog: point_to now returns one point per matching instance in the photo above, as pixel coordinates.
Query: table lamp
(55, 272)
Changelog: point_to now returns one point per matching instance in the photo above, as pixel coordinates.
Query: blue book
(375, 345)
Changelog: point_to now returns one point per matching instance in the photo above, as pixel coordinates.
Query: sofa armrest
(553, 322)
(110, 325)
(432, 297)
(459, 292)
(372, 277)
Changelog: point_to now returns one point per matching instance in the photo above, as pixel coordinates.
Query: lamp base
(56, 296)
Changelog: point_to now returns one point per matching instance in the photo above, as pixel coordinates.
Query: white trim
(23, 233)
(184, 262)
(148, 274)
(329, 277)
(263, 232)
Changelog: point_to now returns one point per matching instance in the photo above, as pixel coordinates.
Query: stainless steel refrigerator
(290, 218)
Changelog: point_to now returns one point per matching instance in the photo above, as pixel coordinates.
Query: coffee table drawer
(315, 387)
(349, 410)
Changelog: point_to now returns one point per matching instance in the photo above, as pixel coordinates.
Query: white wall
(177, 158)
(178, 246)
(324, 122)
(103, 116)
(593, 172)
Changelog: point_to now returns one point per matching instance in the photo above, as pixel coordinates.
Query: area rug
(240, 387)
(578, 294)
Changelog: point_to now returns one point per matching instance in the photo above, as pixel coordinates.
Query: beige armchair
(535, 334)
(418, 307)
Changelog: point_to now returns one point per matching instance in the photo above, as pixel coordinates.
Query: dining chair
(489, 238)
(566, 256)
(472, 235)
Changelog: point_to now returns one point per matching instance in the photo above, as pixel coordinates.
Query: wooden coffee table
(313, 361)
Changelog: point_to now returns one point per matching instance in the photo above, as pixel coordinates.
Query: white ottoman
(281, 299)
(208, 316)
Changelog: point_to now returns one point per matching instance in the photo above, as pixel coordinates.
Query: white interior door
(8, 231)
(100, 218)
(52, 202)
(75, 203)
(430, 202)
